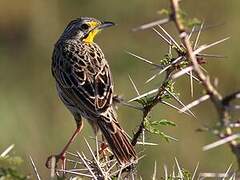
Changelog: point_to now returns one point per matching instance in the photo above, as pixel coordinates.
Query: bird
(85, 86)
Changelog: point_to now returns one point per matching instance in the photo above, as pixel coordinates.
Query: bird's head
(85, 29)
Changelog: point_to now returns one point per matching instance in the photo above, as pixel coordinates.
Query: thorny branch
(189, 53)
(146, 110)
(220, 103)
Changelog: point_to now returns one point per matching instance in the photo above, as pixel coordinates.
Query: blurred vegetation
(10, 167)
(33, 118)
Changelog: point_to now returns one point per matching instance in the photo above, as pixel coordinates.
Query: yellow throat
(93, 33)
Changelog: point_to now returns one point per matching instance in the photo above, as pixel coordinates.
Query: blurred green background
(33, 118)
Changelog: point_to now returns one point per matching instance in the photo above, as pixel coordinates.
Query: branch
(146, 110)
(218, 101)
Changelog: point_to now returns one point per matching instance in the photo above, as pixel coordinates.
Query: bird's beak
(105, 24)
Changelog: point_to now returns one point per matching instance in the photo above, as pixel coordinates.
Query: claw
(53, 160)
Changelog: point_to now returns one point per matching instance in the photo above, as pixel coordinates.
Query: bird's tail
(117, 139)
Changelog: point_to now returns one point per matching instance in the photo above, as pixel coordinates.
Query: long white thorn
(87, 166)
(155, 171)
(226, 173)
(174, 107)
(134, 85)
(179, 169)
(182, 72)
(221, 142)
(35, 168)
(144, 95)
(195, 171)
(198, 36)
(152, 24)
(191, 83)
(95, 159)
(180, 102)
(165, 39)
(170, 37)
(75, 173)
(190, 35)
(195, 103)
(164, 69)
(143, 59)
(204, 47)
(165, 172)
(4, 153)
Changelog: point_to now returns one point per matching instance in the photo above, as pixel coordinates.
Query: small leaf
(153, 127)
(140, 101)
(164, 61)
(186, 174)
(193, 22)
(145, 100)
(149, 99)
(163, 122)
(164, 12)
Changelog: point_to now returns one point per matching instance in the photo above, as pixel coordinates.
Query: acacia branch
(146, 110)
(215, 96)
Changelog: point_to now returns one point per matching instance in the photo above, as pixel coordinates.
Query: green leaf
(140, 101)
(193, 22)
(163, 122)
(153, 127)
(149, 99)
(164, 61)
(186, 174)
(164, 12)
(145, 100)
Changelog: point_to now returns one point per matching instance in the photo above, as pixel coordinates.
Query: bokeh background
(33, 118)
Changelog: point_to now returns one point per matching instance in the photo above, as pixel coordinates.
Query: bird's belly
(74, 108)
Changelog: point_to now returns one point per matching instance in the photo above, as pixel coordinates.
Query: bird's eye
(84, 26)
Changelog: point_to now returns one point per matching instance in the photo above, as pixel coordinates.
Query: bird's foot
(53, 160)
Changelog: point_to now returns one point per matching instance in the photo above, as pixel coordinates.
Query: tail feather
(117, 141)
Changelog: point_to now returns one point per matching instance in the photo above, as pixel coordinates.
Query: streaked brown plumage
(84, 84)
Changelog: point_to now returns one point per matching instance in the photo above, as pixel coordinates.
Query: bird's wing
(84, 76)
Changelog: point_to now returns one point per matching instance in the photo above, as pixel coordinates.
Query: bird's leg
(61, 156)
(104, 150)
(103, 146)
